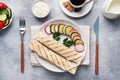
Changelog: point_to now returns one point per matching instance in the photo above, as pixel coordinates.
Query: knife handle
(22, 57)
(96, 59)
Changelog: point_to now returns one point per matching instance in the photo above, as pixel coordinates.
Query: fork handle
(96, 59)
(22, 57)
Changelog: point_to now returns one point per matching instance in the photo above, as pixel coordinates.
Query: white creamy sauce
(41, 9)
(114, 7)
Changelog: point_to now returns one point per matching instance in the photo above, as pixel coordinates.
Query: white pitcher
(112, 9)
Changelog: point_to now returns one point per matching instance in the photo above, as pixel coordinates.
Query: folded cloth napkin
(85, 30)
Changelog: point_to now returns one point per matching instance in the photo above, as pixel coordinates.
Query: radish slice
(76, 37)
(79, 47)
(64, 29)
(71, 31)
(47, 29)
(56, 27)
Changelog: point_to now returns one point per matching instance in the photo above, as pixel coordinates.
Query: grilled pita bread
(52, 57)
(59, 48)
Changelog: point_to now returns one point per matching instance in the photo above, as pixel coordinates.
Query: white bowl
(38, 16)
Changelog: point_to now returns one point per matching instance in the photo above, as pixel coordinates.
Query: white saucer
(85, 10)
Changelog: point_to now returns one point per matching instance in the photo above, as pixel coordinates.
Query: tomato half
(2, 5)
(2, 24)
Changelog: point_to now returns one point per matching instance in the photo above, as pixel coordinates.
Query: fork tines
(22, 21)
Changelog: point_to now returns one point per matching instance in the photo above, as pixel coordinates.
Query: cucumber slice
(68, 29)
(4, 11)
(7, 22)
(79, 41)
(3, 17)
(74, 34)
(60, 28)
(9, 12)
(52, 28)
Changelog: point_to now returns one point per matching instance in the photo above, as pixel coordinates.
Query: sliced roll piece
(52, 57)
(59, 48)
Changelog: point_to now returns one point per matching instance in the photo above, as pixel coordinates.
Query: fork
(22, 30)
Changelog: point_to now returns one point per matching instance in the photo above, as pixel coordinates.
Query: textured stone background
(10, 45)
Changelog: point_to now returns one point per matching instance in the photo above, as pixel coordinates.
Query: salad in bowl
(5, 16)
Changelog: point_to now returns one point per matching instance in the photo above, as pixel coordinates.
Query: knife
(96, 29)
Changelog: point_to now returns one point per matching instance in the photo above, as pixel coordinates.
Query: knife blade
(96, 29)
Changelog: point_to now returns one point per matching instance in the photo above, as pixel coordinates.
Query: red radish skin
(2, 24)
(71, 31)
(79, 47)
(76, 37)
(47, 29)
(56, 27)
(64, 29)
(2, 5)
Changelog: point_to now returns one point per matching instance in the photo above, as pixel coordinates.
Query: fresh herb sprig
(56, 36)
(68, 43)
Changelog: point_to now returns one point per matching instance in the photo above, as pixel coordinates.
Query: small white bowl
(40, 16)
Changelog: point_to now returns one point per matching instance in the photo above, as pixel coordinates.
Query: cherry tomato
(2, 24)
(2, 5)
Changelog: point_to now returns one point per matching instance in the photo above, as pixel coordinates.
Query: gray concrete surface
(109, 62)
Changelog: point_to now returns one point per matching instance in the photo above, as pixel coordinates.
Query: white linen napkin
(85, 30)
